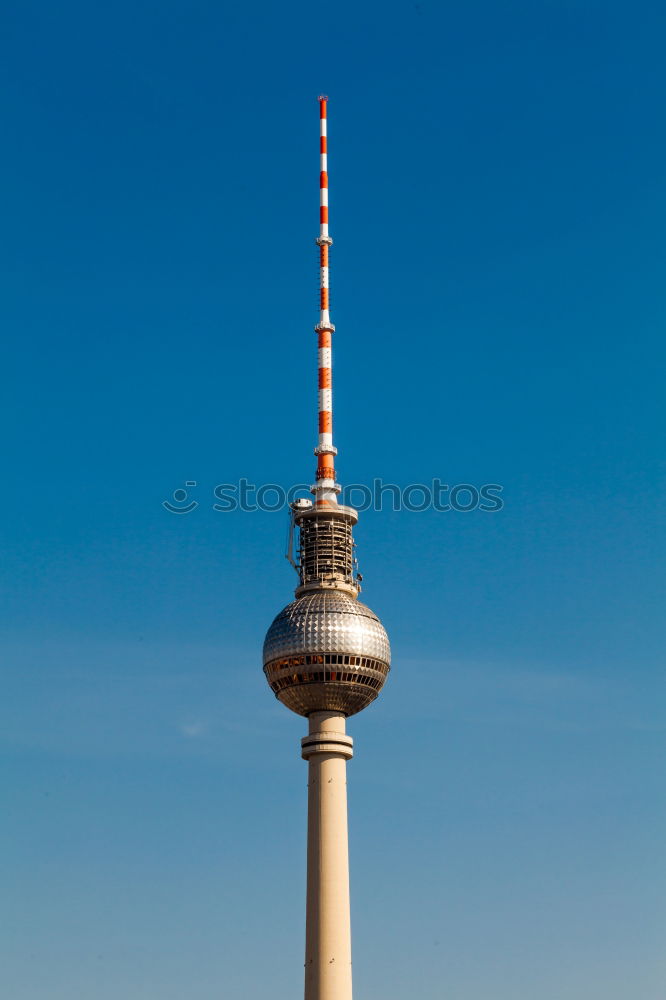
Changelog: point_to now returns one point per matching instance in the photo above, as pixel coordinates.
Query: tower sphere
(326, 652)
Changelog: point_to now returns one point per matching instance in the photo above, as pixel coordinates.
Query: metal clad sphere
(326, 651)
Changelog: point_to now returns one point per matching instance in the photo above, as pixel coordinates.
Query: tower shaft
(328, 974)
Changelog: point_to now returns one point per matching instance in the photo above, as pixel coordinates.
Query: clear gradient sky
(498, 209)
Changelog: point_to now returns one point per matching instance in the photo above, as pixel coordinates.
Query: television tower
(326, 656)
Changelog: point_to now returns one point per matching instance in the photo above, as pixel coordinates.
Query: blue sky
(498, 210)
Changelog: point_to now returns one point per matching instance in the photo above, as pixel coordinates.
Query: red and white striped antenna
(325, 489)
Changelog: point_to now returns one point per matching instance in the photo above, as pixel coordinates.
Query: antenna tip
(322, 97)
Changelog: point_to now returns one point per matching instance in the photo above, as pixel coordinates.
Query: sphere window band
(349, 682)
(285, 667)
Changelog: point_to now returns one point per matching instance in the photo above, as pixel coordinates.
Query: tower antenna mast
(325, 489)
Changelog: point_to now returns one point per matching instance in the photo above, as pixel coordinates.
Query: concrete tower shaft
(328, 963)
